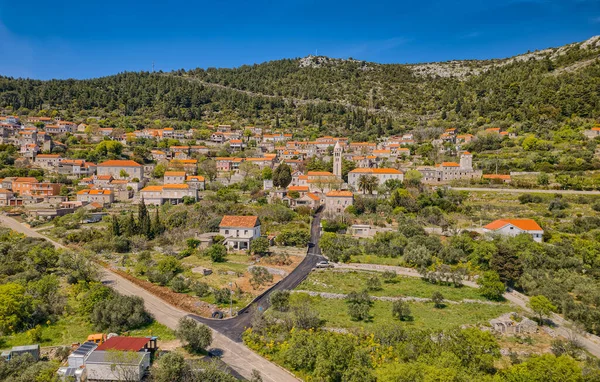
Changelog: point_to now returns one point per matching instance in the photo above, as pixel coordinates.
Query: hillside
(532, 92)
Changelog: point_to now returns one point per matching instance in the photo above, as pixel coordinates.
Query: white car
(323, 264)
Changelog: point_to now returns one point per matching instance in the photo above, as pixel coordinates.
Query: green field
(73, 329)
(425, 315)
(333, 281)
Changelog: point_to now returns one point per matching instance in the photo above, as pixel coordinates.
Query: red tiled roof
(124, 343)
(345, 194)
(239, 221)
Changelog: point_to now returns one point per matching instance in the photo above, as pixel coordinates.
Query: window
(226, 232)
(245, 232)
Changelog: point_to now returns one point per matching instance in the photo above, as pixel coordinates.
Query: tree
(15, 307)
(282, 176)
(541, 306)
(401, 310)
(208, 168)
(256, 376)
(543, 179)
(373, 283)
(119, 314)
(159, 170)
(359, 305)
(367, 183)
(267, 173)
(216, 252)
(490, 286)
(197, 336)
(260, 246)
(280, 300)
(259, 276)
(115, 226)
(64, 190)
(171, 367)
(144, 222)
(438, 299)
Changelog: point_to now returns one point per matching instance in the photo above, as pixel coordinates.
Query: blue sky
(83, 39)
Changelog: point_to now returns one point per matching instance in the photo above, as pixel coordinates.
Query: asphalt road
(234, 327)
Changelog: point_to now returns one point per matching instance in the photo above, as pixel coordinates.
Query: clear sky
(91, 38)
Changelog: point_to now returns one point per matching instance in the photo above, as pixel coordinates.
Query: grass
(425, 316)
(73, 329)
(345, 282)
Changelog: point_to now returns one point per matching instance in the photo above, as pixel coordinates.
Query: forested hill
(533, 92)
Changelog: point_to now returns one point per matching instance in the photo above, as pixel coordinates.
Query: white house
(336, 202)
(121, 169)
(239, 231)
(514, 227)
(382, 175)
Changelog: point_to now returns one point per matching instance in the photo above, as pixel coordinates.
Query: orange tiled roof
(239, 221)
(176, 186)
(376, 171)
(320, 173)
(345, 194)
(450, 164)
(496, 176)
(298, 188)
(119, 163)
(199, 178)
(524, 224)
(174, 173)
(151, 188)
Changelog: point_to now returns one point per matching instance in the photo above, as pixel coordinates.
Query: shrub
(222, 296)
(359, 305)
(490, 286)
(169, 265)
(373, 283)
(180, 284)
(194, 334)
(161, 278)
(438, 299)
(119, 314)
(401, 310)
(200, 289)
(260, 246)
(216, 252)
(388, 276)
(280, 300)
(295, 238)
(259, 276)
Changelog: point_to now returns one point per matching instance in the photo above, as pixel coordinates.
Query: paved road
(234, 353)
(234, 327)
(562, 326)
(526, 190)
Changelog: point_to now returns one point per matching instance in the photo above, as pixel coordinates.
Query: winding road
(227, 334)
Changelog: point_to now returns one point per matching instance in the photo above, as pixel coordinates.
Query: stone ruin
(513, 323)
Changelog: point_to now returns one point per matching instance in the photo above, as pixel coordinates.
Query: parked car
(324, 264)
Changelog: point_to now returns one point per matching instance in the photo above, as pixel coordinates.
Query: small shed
(512, 323)
(16, 351)
(117, 365)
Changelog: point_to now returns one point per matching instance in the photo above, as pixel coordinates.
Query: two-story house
(239, 231)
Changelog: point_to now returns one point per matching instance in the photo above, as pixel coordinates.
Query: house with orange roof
(336, 202)
(76, 167)
(174, 177)
(104, 197)
(196, 182)
(514, 227)
(239, 231)
(31, 187)
(497, 178)
(167, 193)
(382, 175)
(121, 169)
(322, 181)
(593, 132)
(464, 138)
(190, 166)
(237, 144)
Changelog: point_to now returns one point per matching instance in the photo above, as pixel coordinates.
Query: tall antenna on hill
(152, 66)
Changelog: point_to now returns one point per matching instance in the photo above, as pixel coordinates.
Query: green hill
(534, 92)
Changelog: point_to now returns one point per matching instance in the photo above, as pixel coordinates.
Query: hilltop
(535, 91)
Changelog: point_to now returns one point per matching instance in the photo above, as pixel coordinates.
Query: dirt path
(562, 326)
(526, 190)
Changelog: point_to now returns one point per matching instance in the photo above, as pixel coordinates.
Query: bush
(161, 278)
(194, 334)
(259, 277)
(180, 284)
(260, 246)
(529, 198)
(401, 310)
(280, 300)
(490, 286)
(359, 305)
(388, 276)
(169, 265)
(438, 299)
(373, 283)
(216, 252)
(200, 289)
(120, 314)
(295, 238)
(222, 296)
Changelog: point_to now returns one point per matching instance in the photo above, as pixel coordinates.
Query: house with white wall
(514, 227)
(239, 231)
